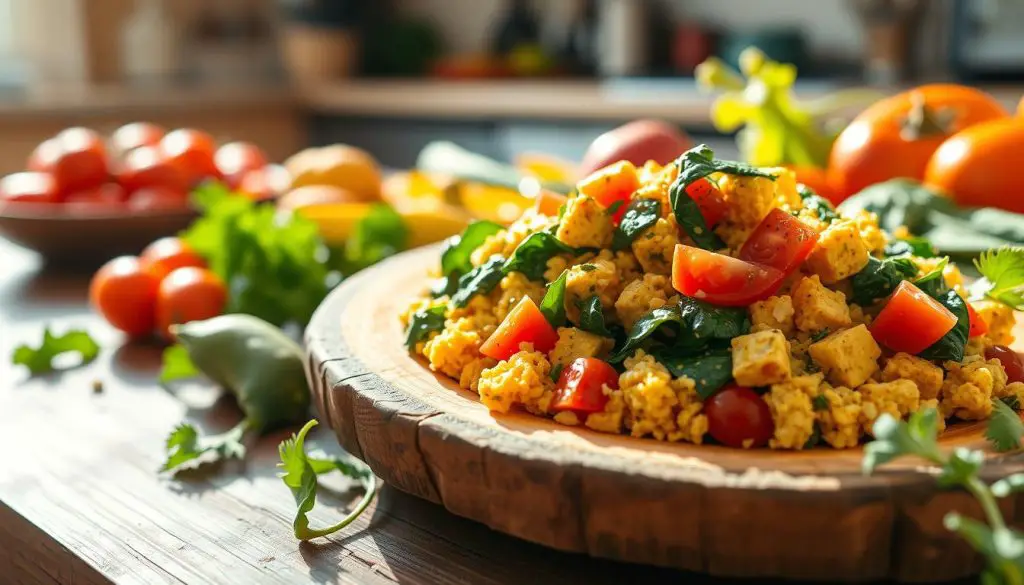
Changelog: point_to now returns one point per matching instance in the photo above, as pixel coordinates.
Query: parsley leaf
(1005, 428)
(552, 306)
(592, 317)
(879, 278)
(640, 214)
(480, 280)
(300, 475)
(39, 360)
(423, 323)
(177, 365)
(1003, 270)
(709, 371)
(184, 445)
(457, 249)
(532, 255)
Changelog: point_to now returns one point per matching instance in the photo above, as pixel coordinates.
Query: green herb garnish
(820, 402)
(423, 323)
(640, 215)
(457, 250)
(1003, 270)
(1005, 428)
(556, 372)
(185, 445)
(911, 246)
(39, 360)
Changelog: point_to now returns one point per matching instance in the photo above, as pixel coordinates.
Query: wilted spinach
(423, 323)
(532, 255)
(698, 326)
(592, 317)
(640, 215)
(879, 278)
(480, 280)
(709, 371)
(552, 306)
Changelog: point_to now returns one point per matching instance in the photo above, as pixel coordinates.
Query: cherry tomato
(709, 200)
(192, 153)
(580, 385)
(146, 166)
(911, 321)
(131, 136)
(720, 279)
(125, 295)
(158, 199)
(978, 325)
(780, 241)
(977, 167)
(103, 199)
(737, 415)
(1011, 360)
(524, 324)
(189, 294)
(614, 183)
(896, 137)
(817, 180)
(76, 157)
(266, 183)
(29, 187)
(235, 159)
(168, 254)
(549, 202)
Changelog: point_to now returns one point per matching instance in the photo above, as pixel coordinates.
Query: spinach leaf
(592, 317)
(556, 372)
(879, 278)
(709, 371)
(532, 255)
(423, 323)
(640, 215)
(698, 326)
(552, 306)
(695, 164)
(951, 346)
(457, 249)
(911, 246)
(822, 208)
(480, 280)
(446, 285)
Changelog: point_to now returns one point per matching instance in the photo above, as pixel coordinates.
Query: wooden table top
(81, 501)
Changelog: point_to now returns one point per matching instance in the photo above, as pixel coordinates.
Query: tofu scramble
(709, 301)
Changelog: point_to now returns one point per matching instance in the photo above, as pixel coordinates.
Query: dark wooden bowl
(808, 515)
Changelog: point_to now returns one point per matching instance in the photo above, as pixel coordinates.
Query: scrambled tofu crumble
(654, 365)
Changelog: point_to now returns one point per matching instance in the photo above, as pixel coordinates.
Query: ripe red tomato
(189, 294)
(146, 166)
(614, 183)
(1011, 360)
(192, 153)
(780, 241)
(167, 255)
(896, 137)
(977, 167)
(911, 321)
(125, 295)
(131, 136)
(524, 324)
(709, 200)
(29, 187)
(104, 199)
(152, 199)
(265, 183)
(76, 157)
(720, 279)
(978, 325)
(737, 415)
(580, 385)
(235, 159)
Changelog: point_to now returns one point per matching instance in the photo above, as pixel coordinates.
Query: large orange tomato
(896, 136)
(977, 167)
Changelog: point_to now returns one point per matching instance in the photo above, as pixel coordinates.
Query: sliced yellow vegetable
(546, 167)
(494, 203)
(335, 220)
(427, 223)
(427, 227)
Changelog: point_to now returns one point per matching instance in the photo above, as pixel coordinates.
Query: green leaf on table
(1005, 429)
(531, 256)
(1003, 272)
(423, 323)
(177, 365)
(552, 306)
(911, 246)
(458, 249)
(299, 473)
(691, 325)
(879, 278)
(640, 215)
(480, 280)
(592, 317)
(185, 445)
(39, 360)
(709, 371)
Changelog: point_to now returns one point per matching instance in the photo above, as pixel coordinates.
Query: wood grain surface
(804, 515)
(81, 502)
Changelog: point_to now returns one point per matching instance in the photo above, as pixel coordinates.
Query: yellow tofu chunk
(848, 357)
(925, 374)
(655, 246)
(773, 313)
(585, 224)
(999, 319)
(816, 307)
(576, 343)
(760, 359)
(898, 398)
(840, 253)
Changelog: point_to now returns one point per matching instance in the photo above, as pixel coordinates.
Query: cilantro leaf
(552, 306)
(1002, 547)
(457, 249)
(640, 215)
(39, 360)
(895, 438)
(300, 475)
(177, 365)
(379, 234)
(592, 317)
(1003, 270)
(1005, 428)
(184, 445)
(423, 323)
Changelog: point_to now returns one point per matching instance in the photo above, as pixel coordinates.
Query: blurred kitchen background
(498, 77)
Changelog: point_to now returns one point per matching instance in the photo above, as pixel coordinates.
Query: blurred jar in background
(321, 38)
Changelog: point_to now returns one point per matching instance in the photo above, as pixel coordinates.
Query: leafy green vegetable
(911, 246)
(532, 255)
(820, 334)
(556, 372)
(378, 235)
(709, 371)
(698, 326)
(275, 269)
(39, 360)
(815, 437)
(1003, 270)
(592, 317)
(480, 280)
(820, 402)
(934, 283)
(819, 205)
(299, 473)
(184, 445)
(552, 306)
(423, 323)
(640, 214)
(951, 346)
(177, 365)
(879, 278)
(458, 249)
(1005, 428)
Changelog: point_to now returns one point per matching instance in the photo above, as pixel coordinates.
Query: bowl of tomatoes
(85, 197)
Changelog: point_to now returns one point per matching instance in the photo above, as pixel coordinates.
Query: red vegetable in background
(524, 324)
(780, 241)
(580, 386)
(636, 142)
(911, 321)
(722, 280)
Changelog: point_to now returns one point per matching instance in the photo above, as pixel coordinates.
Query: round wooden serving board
(803, 515)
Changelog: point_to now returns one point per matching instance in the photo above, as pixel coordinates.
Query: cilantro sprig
(1003, 272)
(40, 359)
(185, 445)
(300, 473)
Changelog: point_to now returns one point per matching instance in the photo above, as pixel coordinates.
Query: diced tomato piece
(780, 241)
(911, 321)
(720, 279)
(549, 202)
(524, 324)
(978, 325)
(737, 415)
(1011, 361)
(613, 183)
(709, 199)
(580, 386)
